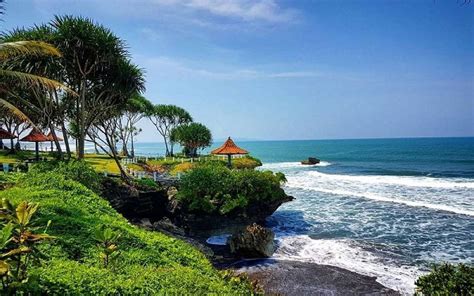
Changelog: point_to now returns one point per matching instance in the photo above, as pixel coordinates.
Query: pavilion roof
(229, 147)
(35, 136)
(51, 138)
(6, 135)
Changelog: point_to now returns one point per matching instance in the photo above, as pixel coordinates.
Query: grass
(149, 263)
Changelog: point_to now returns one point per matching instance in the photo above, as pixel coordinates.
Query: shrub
(216, 188)
(76, 170)
(182, 167)
(447, 279)
(247, 162)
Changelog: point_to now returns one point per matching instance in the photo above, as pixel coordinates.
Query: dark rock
(302, 278)
(166, 225)
(254, 241)
(311, 161)
(133, 203)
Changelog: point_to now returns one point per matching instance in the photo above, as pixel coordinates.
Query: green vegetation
(447, 279)
(192, 137)
(145, 263)
(247, 162)
(211, 188)
(18, 243)
(166, 118)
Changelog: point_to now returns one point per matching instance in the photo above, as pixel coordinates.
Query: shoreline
(290, 277)
(286, 277)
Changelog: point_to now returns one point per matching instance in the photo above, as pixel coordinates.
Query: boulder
(254, 241)
(311, 160)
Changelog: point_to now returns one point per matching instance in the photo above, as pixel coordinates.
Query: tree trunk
(81, 123)
(66, 140)
(124, 150)
(133, 148)
(167, 153)
(56, 142)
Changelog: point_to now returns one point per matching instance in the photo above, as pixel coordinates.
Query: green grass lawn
(148, 263)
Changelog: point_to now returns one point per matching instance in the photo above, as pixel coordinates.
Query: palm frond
(15, 111)
(37, 48)
(34, 80)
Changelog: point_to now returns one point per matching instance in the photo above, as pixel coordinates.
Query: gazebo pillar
(37, 151)
(229, 161)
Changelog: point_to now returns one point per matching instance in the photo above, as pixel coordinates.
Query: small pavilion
(35, 136)
(229, 148)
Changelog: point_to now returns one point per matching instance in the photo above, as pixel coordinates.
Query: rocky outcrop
(254, 241)
(311, 161)
(136, 204)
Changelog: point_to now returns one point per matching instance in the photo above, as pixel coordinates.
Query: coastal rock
(166, 225)
(254, 241)
(311, 161)
(135, 204)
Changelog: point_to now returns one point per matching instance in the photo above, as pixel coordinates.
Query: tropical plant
(192, 137)
(18, 242)
(107, 243)
(447, 279)
(165, 118)
(13, 77)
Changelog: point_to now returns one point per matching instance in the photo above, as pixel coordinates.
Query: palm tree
(11, 78)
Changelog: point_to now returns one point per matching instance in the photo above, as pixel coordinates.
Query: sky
(284, 70)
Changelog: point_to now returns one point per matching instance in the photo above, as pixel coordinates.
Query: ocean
(387, 208)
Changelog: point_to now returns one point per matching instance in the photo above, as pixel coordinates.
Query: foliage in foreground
(148, 263)
(218, 189)
(447, 279)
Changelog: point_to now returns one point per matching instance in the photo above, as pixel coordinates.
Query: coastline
(290, 277)
(285, 277)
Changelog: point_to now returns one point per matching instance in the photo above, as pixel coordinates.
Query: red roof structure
(6, 135)
(229, 148)
(35, 136)
(51, 138)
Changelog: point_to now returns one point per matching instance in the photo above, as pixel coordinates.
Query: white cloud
(173, 66)
(267, 10)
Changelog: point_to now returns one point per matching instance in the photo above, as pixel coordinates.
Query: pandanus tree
(121, 82)
(167, 117)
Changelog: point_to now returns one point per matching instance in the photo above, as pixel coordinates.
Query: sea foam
(345, 254)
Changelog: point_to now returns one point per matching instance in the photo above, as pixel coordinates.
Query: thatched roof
(229, 148)
(6, 135)
(35, 136)
(51, 138)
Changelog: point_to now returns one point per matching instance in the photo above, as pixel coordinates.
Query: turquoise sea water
(384, 207)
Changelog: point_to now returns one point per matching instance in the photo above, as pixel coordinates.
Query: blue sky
(276, 69)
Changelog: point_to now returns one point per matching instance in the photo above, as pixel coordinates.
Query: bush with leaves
(18, 243)
(76, 170)
(447, 279)
(211, 188)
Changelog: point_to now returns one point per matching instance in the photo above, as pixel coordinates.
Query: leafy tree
(136, 108)
(165, 118)
(192, 137)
